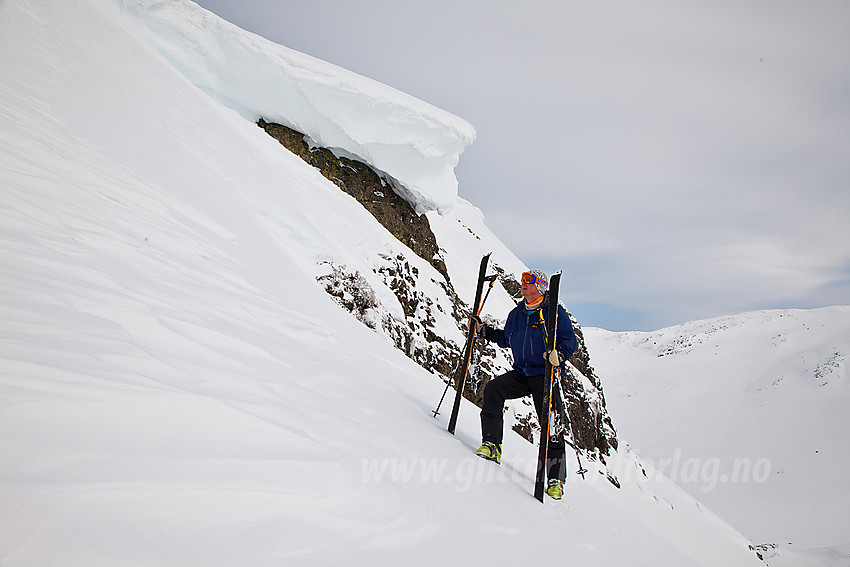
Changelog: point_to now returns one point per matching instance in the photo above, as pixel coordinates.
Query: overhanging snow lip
(405, 138)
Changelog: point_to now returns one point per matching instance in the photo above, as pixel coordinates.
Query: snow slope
(175, 386)
(748, 413)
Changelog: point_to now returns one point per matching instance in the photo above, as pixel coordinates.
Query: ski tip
(558, 273)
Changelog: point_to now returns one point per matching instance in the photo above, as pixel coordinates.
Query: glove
(482, 329)
(476, 324)
(555, 358)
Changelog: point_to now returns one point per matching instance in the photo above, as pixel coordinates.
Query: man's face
(529, 292)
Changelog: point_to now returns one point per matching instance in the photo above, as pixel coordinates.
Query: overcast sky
(677, 159)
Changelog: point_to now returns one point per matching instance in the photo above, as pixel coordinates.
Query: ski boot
(556, 489)
(490, 451)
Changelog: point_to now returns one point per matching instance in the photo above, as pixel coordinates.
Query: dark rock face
(586, 401)
(415, 335)
(372, 191)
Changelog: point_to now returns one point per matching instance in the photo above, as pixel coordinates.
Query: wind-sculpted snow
(177, 389)
(402, 136)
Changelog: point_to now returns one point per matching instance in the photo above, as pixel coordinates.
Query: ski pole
(563, 407)
(436, 412)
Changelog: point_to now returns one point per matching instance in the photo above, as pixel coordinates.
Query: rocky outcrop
(371, 190)
(416, 335)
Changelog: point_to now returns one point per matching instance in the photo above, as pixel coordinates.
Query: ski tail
(551, 336)
(463, 368)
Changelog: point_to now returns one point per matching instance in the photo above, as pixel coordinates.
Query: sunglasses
(529, 278)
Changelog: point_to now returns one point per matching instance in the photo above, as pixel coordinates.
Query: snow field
(176, 388)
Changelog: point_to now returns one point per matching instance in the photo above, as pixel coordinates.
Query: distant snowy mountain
(748, 413)
(178, 387)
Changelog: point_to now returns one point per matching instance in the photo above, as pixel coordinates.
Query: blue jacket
(524, 334)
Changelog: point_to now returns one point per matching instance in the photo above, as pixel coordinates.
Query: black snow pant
(510, 386)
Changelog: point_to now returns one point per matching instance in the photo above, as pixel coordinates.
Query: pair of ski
(462, 370)
(550, 372)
